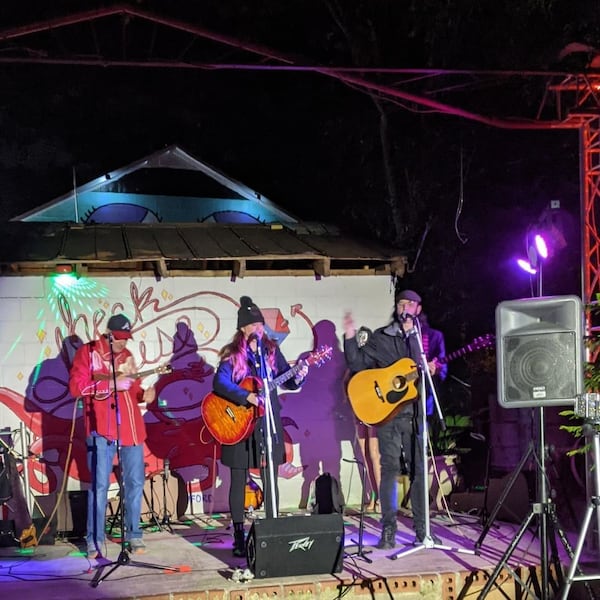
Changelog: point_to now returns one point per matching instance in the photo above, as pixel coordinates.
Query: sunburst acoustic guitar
(230, 423)
(376, 395)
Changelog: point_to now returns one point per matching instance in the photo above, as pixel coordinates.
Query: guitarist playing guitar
(399, 435)
(240, 359)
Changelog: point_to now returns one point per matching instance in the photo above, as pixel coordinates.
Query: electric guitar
(376, 395)
(230, 423)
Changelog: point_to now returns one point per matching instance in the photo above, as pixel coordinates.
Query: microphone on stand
(166, 468)
(254, 343)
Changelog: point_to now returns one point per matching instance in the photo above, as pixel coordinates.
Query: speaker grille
(540, 367)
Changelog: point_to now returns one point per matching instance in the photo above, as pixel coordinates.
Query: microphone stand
(422, 439)
(270, 433)
(123, 558)
(166, 520)
(360, 552)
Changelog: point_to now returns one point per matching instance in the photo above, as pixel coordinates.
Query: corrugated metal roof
(169, 249)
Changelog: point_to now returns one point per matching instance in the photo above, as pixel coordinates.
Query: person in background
(366, 437)
(112, 416)
(239, 359)
(400, 437)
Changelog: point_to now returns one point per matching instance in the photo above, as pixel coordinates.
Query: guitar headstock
(164, 369)
(483, 341)
(319, 356)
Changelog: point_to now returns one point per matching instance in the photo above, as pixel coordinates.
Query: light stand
(360, 552)
(428, 540)
(123, 558)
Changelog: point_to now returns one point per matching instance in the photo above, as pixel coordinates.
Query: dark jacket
(249, 453)
(389, 344)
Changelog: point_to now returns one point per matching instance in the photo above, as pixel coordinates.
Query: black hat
(408, 295)
(120, 327)
(248, 313)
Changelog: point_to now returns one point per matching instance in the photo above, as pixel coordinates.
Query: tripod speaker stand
(543, 511)
(588, 406)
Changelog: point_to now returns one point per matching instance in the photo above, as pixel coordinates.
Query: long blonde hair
(237, 353)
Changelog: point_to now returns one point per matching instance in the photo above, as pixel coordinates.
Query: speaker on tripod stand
(539, 363)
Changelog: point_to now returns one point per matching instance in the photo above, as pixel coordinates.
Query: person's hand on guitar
(124, 382)
(254, 399)
(301, 374)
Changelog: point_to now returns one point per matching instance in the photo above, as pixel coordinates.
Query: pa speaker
(539, 348)
(299, 545)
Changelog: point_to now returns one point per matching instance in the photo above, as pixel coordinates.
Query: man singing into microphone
(399, 437)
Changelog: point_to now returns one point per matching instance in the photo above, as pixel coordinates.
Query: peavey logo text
(304, 544)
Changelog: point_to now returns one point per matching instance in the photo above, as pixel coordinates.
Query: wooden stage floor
(199, 549)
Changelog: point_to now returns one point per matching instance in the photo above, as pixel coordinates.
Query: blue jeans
(100, 455)
(400, 438)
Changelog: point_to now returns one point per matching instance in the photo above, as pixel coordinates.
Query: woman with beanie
(243, 357)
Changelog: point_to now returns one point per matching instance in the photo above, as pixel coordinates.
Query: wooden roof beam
(322, 267)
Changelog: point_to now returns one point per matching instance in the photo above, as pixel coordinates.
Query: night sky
(312, 144)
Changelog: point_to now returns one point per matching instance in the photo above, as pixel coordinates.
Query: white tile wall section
(35, 318)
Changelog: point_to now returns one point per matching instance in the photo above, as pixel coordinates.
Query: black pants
(237, 493)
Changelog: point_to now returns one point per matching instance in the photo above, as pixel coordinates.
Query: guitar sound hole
(398, 383)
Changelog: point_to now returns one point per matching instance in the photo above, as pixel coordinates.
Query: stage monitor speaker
(539, 348)
(298, 545)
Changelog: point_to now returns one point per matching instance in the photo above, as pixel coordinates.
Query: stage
(194, 561)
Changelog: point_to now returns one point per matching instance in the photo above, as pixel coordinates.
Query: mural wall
(183, 323)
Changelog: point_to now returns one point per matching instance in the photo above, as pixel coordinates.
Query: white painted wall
(36, 317)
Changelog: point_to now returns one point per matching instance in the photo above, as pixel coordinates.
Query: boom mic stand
(428, 540)
(123, 558)
(360, 552)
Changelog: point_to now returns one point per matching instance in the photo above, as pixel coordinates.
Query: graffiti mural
(185, 332)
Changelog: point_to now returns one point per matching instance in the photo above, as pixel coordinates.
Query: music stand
(124, 558)
(428, 541)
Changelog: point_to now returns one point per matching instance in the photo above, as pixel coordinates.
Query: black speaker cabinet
(539, 351)
(298, 545)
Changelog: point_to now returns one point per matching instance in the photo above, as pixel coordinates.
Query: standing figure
(369, 445)
(400, 437)
(243, 357)
(112, 417)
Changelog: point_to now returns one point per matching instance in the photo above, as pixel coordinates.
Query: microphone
(404, 316)
(167, 469)
(254, 343)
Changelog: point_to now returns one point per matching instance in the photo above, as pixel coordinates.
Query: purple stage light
(526, 266)
(541, 246)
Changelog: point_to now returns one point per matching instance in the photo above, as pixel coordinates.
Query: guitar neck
(285, 376)
(140, 374)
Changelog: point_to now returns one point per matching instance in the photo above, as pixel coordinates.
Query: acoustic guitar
(230, 423)
(376, 395)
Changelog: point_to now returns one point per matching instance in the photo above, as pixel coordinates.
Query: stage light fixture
(526, 266)
(65, 275)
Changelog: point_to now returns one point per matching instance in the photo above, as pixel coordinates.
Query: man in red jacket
(112, 418)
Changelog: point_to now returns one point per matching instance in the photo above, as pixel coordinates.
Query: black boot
(388, 538)
(239, 544)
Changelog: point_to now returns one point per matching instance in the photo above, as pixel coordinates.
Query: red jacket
(89, 378)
